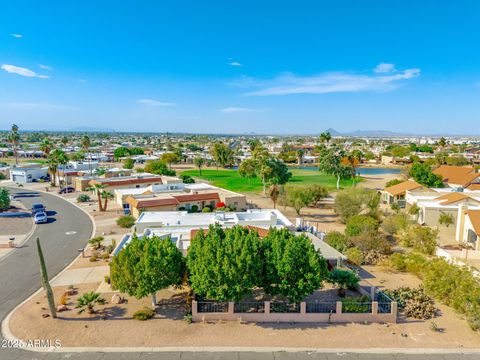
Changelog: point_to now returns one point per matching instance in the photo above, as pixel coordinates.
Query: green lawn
(231, 180)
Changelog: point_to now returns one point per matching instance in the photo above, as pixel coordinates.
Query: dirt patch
(169, 329)
(15, 225)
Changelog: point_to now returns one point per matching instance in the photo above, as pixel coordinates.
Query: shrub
(353, 201)
(83, 198)
(358, 224)
(412, 262)
(126, 221)
(187, 179)
(93, 258)
(64, 299)
(393, 182)
(109, 249)
(394, 223)
(414, 303)
(373, 257)
(96, 242)
(105, 256)
(367, 241)
(107, 279)
(356, 304)
(355, 256)
(337, 240)
(446, 219)
(420, 238)
(143, 314)
(194, 208)
(344, 279)
(206, 209)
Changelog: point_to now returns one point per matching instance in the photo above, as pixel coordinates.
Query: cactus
(45, 281)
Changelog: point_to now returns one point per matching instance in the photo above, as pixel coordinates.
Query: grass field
(231, 180)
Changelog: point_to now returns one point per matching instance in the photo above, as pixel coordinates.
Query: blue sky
(246, 66)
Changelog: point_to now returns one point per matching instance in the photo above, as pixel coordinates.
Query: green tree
(55, 158)
(337, 240)
(45, 281)
(158, 167)
(248, 168)
(222, 154)
(224, 264)
(170, 158)
(293, 268)
(330, 162)
(422, 174)
(273, 194)
(325, 137)
(297, 197)
(199, 163)
(46, 146)
(4, 199)
(106, 195)
(393, 182)
(98, 189)
(442, 142)
(353, 201)
(145, 266)
(128, 163)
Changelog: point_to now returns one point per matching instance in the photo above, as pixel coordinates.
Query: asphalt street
(68, 231)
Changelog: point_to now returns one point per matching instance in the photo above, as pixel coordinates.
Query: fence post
(338, 307)
(372, 293)
(267, 307)
(231, 307)
(194, 309)
(374, 307)
(303, 307)
(394, 310)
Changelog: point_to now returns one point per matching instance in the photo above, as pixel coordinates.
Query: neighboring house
(171, 197)
(468, 228)
(28, 173)
(396, 194)
(81, 183)
(458, 176)
(181, 226)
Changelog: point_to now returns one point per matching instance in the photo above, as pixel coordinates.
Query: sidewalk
(82, 276)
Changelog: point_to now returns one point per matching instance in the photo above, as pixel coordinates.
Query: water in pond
(362, 170)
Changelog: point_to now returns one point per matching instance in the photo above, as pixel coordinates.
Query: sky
(265, 67)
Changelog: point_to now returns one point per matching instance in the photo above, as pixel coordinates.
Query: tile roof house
(395, 194)
(458, 176)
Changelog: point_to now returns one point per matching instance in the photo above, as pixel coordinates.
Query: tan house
(468, 228)
(458, 176)
(395, 194)
(110, 183)
(177, 202)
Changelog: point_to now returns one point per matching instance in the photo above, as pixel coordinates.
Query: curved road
(20, 277)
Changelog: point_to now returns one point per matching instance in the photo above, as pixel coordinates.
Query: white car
(40, 217)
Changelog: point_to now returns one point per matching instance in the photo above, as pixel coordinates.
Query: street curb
(5, 326)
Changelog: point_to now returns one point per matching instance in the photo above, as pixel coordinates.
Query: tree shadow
(173, 307)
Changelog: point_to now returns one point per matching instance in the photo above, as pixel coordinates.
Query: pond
(362, 170)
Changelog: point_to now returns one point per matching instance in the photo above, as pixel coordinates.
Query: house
(81, 183)
(181, 226)
(395, 194)
(28, 173)
(458, 176)
(177, 196)
(468, 227)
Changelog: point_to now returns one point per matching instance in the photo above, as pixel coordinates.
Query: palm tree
(88, 302)
(199, 162)
(325, 137)
(274, 193)
(300, 154)
(46, 146)
(14, 139)
(106, 195)
(100, 171)
(64, 141)
(85, 141)
(55, 158)
(98, 188)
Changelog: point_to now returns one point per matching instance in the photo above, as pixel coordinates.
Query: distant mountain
(366, 133)
(92, 129)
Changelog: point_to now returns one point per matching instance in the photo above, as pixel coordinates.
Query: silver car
(40, 217)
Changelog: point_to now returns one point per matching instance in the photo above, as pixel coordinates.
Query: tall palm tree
(46, 146)
(106, 195)
(98, 188)
(55, 158)
(14, 139)
(85, 141)
(274, 193)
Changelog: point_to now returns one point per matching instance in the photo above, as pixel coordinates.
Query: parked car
(40, 217)
(66, 190)
(36, 208)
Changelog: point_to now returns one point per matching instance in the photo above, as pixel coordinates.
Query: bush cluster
(413, 302)
(126, 221)
(143, 314)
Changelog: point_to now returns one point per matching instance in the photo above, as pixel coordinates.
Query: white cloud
(22, 71)
(81, 80)
(325, 83)
(38, 106)
(236, 110)
(18, 36)
(151, 102)
(45, 67)
(235, 63)
(384, 68)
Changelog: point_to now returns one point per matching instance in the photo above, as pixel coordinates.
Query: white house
(28, 173)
